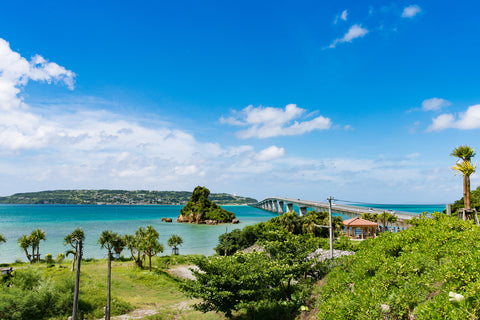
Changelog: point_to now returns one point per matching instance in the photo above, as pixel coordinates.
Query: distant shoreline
(118, 197)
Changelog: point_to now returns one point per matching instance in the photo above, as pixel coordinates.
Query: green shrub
(408, 274)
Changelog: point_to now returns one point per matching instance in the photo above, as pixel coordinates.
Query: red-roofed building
(368, 228)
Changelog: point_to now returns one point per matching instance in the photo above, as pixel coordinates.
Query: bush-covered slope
(408, 275)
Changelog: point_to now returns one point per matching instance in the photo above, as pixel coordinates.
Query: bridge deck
(278, 204)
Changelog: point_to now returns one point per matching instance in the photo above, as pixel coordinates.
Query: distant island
(201, 210)
(118, 197)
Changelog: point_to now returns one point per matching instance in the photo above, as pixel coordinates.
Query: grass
(132, 287)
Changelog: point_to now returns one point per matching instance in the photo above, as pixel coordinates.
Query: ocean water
(59, 220)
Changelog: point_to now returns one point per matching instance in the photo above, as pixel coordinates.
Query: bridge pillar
(274, 206)
(303, 211)
(289, 207)
(281, 208)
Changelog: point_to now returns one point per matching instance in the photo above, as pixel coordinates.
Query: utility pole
(77, 279)
(330, 225)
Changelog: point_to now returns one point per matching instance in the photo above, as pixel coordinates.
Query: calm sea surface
(59, 220)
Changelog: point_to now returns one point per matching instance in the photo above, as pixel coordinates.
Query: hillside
(430, 271)
(117, 197)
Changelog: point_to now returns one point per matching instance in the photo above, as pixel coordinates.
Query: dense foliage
(290, 221)
(117, 197)
(200, 208)
(143, 243)
(267, 285)
(31, 294)
(409, 275)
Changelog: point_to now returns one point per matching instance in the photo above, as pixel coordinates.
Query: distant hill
(118, 197)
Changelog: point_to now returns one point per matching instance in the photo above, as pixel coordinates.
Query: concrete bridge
(282, 205)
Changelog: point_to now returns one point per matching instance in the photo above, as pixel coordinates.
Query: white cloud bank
(435, 104)
(467, 120)
(92, 148)
(95, 148)
(411, 11)
(267, 122)
(355, 31)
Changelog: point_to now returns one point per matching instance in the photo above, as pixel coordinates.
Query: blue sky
(304, 99)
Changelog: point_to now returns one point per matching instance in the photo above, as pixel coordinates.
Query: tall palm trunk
(467, 193)
(73, 262)
(33, 254)
(28, 255)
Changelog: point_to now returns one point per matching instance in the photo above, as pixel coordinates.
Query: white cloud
(411, 11)
(355, 31)
(270, 153)
(467, 120)
(68, 145)
(435, 104)
(342, 16)
(266, 122)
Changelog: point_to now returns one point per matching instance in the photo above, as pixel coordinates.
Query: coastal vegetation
(42, 291)
(142, 244)
(73, 239)
(408, 275)
(118, 197)
(33, 241)
(271, 280)
(200, 209)
(271, 271)
(237, 239)
(173, 242)
(385, 218)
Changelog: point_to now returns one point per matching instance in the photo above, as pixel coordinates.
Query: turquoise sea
(59, 220)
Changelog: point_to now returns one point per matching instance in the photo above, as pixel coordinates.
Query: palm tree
(174, 241)
(466, 169)
(36, 236)
(150, 244)
(24, 242)
(73, 239)
(132, 243)
(108, 240)
(464, 153)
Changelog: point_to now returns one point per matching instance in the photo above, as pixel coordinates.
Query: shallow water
(59, 220)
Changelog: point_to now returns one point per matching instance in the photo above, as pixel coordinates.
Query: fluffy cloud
(467, 120)
(434, 104)
(266, 122)
(355, 31)
(342, 16)
(270, 153)
(88, 147)
(411, 11)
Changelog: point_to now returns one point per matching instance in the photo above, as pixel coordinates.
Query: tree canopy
(200, 209)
